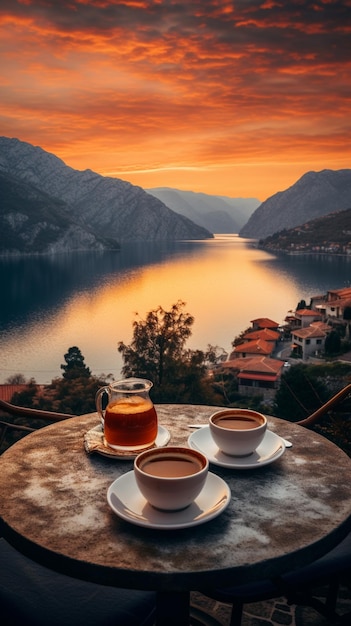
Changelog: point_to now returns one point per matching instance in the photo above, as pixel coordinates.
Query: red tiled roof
(7, 391)
(339, 293)
(255, 365)
(262, 364)
(307, 313)
(264, 322)
(248, 376)
(308, 333)
(264, 333)
(254, 347)
(321, 326)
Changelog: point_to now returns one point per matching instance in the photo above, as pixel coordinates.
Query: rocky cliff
(67, 209)
(314, 195)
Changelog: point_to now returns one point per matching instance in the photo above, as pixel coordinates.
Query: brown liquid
(171, 466)
(130, 422)
(238, 423)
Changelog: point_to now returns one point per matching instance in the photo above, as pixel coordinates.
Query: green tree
(75, 366)
(157, 352)
(75, 396)
(26, 397)
(74, 393)
(158, 343)
(301, 392)
(332, 343)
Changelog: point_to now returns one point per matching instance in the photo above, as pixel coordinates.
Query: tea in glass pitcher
(130, 419)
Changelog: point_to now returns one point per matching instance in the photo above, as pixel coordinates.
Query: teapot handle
(98, 402)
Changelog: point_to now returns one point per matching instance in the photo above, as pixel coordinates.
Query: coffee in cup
(237, 432)
(170, 478)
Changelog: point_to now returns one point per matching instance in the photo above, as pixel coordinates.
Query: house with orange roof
(265, 333)
(258, 375)
(264, 322)
(306, 316)
(303, 317)
(309, 341)
(259, 347)
(7, 391)
(333, 303)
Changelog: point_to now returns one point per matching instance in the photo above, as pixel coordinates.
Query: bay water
(90, 299)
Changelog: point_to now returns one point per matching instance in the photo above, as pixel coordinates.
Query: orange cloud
(220, 97)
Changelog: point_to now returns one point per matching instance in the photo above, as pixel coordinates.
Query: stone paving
(275, 612)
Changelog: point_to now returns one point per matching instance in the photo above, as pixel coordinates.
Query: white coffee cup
(237, 432)
(170, 478)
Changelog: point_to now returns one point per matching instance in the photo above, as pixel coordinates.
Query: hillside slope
(107, 207)
(314, 195)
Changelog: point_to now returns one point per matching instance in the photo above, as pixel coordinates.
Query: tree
(75, 366)
(158, 343)
(300, 393)
(301, 305)
(26, 397)
(332, 343)
(75, 396)
(16, 379)
(74, 393)
(157, 352)
(347, 313)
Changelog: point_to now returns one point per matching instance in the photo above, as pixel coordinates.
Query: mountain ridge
(328, 234)
(314, 195)
(219, 214)
(99, 209)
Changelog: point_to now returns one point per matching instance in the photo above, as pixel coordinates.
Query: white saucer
(271, 448)
(94, 441)
(128, 503)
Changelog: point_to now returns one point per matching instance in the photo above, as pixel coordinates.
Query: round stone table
(284, 515)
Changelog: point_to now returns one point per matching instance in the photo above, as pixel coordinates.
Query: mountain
(70, 209)
(331, 234)
(31, 221)
(314, 195)
(219, 214)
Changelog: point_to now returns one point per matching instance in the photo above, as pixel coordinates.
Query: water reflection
(313, 274)
(35, 285)
(89, 299)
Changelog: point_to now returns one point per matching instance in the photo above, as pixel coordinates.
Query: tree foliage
(332, 343)
(16, 379)
(157, 352)
(74, 393)
(75, 366)
(301, 305)
(304, 388)
(299, 394)
(158, 343)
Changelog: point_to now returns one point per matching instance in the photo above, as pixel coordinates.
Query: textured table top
(53, 507)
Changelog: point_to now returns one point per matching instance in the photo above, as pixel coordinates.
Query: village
(268, 348)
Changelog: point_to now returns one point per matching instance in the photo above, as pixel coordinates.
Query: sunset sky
(234, 98)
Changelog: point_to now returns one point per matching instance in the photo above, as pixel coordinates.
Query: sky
(231, 98)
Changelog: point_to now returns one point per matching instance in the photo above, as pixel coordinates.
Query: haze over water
(89, 300)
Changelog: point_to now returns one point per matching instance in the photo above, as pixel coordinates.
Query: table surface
(280, 516)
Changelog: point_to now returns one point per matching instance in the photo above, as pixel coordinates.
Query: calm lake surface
(89, 300)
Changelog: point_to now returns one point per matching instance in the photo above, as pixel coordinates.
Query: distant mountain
(51, 207)
(315, 194)
(331, 234)
(219, 214)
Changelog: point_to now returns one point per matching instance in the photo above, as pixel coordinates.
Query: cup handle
(98, 402)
